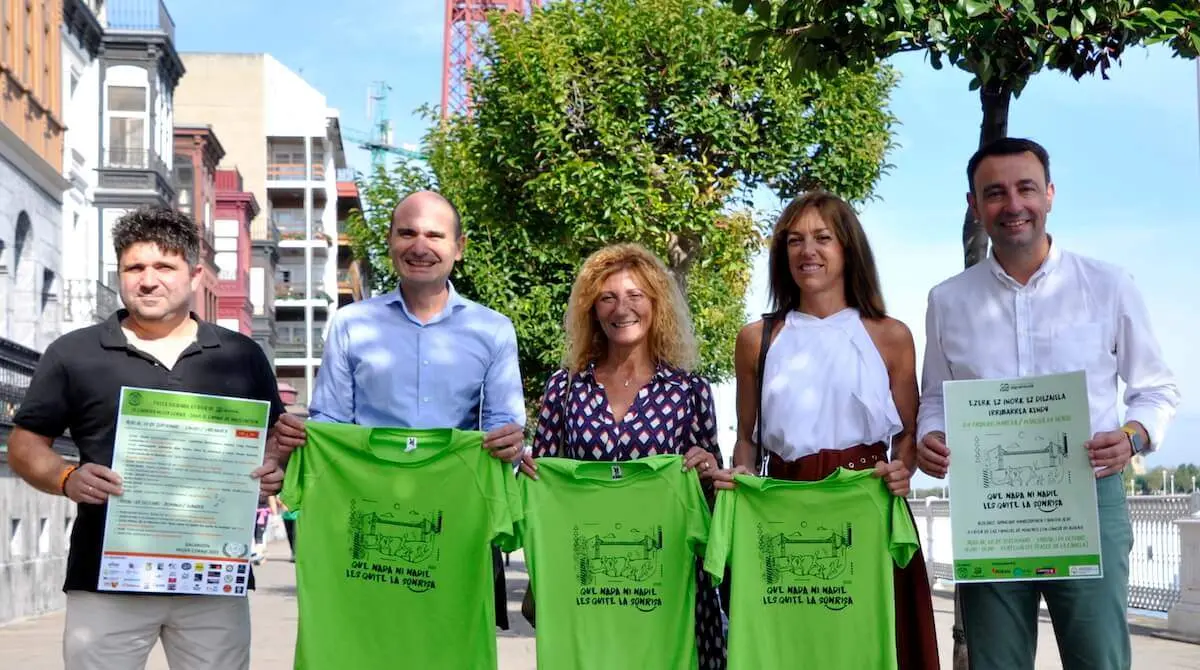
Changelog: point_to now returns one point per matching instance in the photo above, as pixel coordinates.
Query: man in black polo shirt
(155, 342)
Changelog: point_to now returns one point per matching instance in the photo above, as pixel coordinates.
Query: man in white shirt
(1030, 309)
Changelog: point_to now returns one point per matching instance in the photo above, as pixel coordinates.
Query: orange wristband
(62, 479)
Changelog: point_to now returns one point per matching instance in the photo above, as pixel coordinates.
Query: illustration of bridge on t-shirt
(619, 555)
(388, 536)
(820, 552)
(1033, 460)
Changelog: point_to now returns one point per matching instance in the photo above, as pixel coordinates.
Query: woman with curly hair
(630, 351)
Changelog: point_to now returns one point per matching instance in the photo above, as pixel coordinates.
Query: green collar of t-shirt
(409, 446)
(610, 473)
(839, 476)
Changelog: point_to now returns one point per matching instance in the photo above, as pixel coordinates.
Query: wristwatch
(1135, 439)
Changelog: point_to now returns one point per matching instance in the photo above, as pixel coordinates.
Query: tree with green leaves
(1002, 43)
(603, 121)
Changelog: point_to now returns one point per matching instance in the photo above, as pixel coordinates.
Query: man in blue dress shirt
(422, 356)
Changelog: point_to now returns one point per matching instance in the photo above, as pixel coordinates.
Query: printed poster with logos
(1023, 491)
(185, 522)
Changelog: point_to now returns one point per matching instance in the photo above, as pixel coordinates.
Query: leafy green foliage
(998, 41)
(604, 121)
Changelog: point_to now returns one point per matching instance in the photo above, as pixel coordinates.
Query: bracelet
(62, 479)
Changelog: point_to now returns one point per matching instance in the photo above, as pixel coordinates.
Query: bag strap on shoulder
(769, 322)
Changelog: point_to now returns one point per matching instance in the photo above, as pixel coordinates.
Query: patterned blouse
(671, 414)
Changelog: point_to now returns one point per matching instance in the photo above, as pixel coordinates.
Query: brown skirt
(916, 639)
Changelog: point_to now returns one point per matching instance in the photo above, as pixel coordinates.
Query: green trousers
(1089, 615)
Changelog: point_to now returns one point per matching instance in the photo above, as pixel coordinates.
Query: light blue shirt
(383, 367)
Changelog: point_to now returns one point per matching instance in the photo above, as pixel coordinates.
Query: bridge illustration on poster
(1034, 459)
(618, 555)
(393, 535)
(803, 554)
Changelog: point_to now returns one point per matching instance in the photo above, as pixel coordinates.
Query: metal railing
(147, 15)
(17, 364)
(1154, 561)
(291, 224)
(295, 291)
(294, 172)
(294, 347)
(89, 300)
(347, 174)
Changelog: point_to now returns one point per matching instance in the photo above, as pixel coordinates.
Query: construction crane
(379, 140)
(466, 20)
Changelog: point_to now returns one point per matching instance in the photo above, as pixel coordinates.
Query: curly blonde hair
(671, 339)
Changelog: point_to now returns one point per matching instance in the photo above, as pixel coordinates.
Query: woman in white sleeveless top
(838, 382)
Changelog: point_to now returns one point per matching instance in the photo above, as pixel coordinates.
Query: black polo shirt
(77, 387)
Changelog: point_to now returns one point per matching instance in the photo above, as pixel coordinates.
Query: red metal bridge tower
(465, 22)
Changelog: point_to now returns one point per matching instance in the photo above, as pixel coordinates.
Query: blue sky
(1125, 155)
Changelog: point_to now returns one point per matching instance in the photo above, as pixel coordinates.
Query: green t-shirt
(612, 562)
(811, 566)
(393, 549)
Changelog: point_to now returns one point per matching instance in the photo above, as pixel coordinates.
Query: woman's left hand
(896, 475)
(700, 459)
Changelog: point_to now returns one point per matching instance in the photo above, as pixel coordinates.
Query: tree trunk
(994, 99)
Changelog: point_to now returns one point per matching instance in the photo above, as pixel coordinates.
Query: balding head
(427, 203)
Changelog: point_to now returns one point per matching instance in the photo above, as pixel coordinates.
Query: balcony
(140, 16)
(291, 343)
(263, 229)
(293, 172)
(292, 229)
(17, 364)
(344, 280)
(288, 294)
(132, 168)
(87, 301)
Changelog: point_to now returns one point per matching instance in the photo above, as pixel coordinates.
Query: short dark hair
(458, 227)
(1007, 146)
(860, 277)
(171, 230)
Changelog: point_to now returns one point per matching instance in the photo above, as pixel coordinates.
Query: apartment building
(236, 209)
(87, 299)
(285, 140)
(197, 152)
(31, 182)
(139, 71)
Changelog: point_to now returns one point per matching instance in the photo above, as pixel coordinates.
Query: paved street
(34, 644)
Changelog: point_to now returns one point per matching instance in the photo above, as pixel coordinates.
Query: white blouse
(825, 386)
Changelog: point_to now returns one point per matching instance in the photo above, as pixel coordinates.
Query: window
(16, 538)
(43, 536)
(184, 184)
(226, 244)
(47, 287)
(127, 118)
(21, 244)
